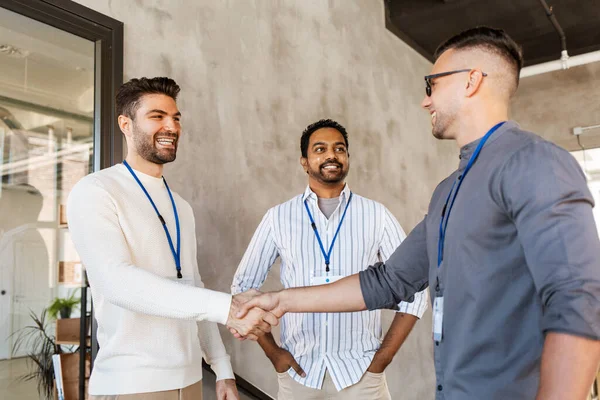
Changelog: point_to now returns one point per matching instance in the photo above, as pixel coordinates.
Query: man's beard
(438, 129)
(323, 177)
(444, 121)
(147, 148)
(440, 126)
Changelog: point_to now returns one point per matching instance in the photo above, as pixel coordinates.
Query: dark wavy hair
(130, 93)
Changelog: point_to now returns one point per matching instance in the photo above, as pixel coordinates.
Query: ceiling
(424, 24)
(45, 66)
(47, 79)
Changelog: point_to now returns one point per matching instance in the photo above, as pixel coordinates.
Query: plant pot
(65, 312)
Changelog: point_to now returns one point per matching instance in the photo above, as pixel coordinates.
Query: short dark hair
(493, 40)
(130, 93)
(312, 128)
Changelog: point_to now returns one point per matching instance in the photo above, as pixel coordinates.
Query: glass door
(60, 66)
(46, 145)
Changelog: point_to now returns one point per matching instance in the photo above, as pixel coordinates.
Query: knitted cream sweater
(152, 331)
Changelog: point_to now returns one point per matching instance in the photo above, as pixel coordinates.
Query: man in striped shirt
(323, 235)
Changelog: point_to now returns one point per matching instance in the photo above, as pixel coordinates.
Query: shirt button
(440, 388)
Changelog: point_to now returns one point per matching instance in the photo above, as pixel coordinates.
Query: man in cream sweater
(136, 239)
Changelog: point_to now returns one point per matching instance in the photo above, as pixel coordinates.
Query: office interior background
(253, 74)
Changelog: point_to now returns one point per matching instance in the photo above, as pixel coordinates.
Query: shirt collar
(467, 150)
(308, 193)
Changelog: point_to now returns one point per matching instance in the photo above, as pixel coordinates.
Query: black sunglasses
(429, 78)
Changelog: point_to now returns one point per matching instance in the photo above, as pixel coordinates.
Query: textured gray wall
(253, 75)
(552, 104)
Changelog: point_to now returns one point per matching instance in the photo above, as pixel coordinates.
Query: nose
(331, 155)
(426, 103)
(170, 125)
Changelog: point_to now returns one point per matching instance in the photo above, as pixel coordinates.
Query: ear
(473, 84)
(304, 163)
(125, 124)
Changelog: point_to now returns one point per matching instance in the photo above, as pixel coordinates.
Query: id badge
(186, 280)
(324, 280)
(438, 318)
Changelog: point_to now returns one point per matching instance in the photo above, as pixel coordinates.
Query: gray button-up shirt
(521, 258)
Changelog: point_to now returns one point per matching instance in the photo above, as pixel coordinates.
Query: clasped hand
(252, 314)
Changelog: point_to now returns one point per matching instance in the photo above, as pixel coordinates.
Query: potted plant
(41, 347)
(63, 306)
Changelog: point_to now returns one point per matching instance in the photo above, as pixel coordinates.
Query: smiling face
(156, 128)
(327, 158)
(446, 100)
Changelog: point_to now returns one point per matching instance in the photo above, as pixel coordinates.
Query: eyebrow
(323, 143)
(158, 111)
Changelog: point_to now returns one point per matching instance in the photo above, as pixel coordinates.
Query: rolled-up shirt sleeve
(405, 273)
(545, 193)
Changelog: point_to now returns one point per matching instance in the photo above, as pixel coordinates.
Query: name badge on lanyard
(438, 318)
(176, 253)
(438, 305)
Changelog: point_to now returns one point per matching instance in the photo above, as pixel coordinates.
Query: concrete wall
(552, 104)
(253, 75)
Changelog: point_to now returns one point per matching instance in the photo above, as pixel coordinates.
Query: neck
(326, 190)
(477, 124)
(144, 166)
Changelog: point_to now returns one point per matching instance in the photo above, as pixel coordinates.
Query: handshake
(252, 314)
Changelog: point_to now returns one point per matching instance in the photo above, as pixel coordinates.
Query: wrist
(235, 303)
(274, 353)
(269, 348)
(380, 361)
(234, 306)
(221, 307)
(284, 300)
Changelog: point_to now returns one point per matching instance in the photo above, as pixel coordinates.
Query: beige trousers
(192, 392)
(371, 386)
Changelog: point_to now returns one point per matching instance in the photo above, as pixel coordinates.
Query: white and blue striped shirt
(344, 343)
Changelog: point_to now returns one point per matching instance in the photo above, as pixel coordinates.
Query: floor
(10, 386)
(12, 389)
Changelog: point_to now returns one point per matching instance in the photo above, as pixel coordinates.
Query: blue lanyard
(446, 210)
(327, 255)
(176, 254)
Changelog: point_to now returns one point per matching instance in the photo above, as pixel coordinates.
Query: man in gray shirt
(509, 247)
